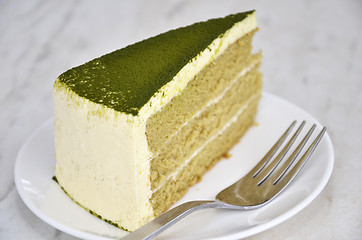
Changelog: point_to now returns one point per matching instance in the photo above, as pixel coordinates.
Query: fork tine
(265, 173)
(284, 168)
(264, 161)
(284, 181)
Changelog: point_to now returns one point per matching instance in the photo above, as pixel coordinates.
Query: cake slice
(135, 128)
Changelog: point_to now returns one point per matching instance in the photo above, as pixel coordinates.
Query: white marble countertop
(312, 57)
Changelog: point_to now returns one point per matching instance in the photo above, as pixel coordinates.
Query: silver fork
(257, 188)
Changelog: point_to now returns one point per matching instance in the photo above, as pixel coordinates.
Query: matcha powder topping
(127, 78)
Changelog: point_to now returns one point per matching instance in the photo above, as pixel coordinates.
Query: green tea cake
(135, 128)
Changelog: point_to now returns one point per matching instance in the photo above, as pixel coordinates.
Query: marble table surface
(312, 57)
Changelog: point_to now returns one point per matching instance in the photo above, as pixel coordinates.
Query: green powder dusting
(127, 78)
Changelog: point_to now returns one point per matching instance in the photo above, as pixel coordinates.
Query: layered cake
(135, 128)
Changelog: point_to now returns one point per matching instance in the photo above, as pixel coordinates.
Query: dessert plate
(36, 160)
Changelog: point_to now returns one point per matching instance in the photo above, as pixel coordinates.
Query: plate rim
(242, 234)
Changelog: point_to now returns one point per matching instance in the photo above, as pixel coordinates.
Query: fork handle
(169, 218)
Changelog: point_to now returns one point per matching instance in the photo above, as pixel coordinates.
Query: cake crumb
(227, 155)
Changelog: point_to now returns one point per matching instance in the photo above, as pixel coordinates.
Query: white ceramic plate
(35, 163)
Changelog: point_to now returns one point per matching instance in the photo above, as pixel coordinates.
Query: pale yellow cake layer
(210, 154)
